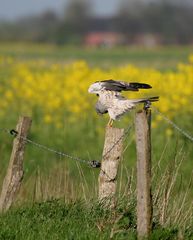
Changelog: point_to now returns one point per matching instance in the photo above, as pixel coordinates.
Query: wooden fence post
(144, 198)
(111, 156)
(14, 175)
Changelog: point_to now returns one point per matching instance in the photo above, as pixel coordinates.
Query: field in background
(162, 58)
(50, 84)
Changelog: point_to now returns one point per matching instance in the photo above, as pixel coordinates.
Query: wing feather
(118, 86)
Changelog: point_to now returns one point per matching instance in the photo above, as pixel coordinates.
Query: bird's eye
(97, 94)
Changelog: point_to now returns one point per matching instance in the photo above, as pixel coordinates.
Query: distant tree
(169, 18)
(129, 17)
(40, 28)
(43, 27)
(75, 22)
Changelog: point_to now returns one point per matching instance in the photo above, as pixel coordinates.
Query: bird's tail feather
(143, 100)
(150, 99)
(130, 103)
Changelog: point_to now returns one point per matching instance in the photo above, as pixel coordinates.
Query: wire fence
(96, 163)
(174, 125)
(93, 163)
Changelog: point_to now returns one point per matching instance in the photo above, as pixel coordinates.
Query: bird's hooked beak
(90, 90)
(94, 88)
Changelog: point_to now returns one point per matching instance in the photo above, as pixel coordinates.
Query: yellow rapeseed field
(59, 90)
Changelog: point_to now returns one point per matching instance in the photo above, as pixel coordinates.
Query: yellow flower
(169, 132)
(47, 118)
(9, 94)
(58, 90)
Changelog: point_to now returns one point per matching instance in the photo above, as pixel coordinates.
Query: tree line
(170, 20)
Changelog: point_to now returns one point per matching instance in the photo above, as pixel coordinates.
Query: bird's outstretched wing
(120, 106)
(118, 86)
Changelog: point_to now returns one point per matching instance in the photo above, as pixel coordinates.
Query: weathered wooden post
(144, 198)
(111, 157)
(14, 175)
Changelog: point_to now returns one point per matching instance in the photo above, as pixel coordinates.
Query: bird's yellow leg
(110, 123)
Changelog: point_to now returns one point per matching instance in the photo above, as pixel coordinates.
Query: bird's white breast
(107, 97)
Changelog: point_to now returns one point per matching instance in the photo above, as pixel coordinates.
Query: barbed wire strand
(41, 146)
(93, 163)
(187, 135)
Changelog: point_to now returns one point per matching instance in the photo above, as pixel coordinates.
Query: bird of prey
(112, 102)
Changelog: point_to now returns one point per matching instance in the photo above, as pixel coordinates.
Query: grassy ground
(162, 58)
(56, 220)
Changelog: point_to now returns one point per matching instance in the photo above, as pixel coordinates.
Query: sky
(12, 9)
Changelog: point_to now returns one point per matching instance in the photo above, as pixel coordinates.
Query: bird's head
(95, 88)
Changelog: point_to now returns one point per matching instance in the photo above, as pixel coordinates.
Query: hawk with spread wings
(112, 102)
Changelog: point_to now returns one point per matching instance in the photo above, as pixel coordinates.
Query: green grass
(57, 220)
(162, 58)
